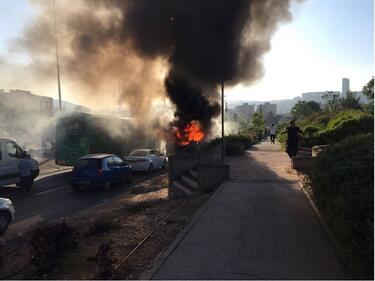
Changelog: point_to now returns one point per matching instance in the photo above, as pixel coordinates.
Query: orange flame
(191, 133)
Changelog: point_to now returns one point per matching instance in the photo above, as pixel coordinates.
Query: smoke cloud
(183, 49)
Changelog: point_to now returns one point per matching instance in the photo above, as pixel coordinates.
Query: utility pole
(57, 57)
(222, 123)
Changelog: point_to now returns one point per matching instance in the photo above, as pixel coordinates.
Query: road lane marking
(51, 190)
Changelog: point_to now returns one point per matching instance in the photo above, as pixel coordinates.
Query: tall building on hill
(244, 111)
(345, 86)
(267, 108)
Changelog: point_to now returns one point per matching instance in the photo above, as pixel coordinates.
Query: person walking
(272, 133)
(25, 168)
(292, 142)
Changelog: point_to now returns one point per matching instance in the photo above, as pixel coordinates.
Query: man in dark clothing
(25, 168)
(292, 142)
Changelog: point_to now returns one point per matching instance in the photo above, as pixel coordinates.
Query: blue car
(100, 170)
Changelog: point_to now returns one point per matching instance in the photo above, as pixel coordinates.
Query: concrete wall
(184, 161)
(211, 176)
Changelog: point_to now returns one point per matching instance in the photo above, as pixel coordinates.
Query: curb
(162, 258)
(320, 217)
(44, 161)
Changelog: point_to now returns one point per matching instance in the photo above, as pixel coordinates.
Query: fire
(191, 133)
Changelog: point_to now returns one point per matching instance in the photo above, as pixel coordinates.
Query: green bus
(79, 134)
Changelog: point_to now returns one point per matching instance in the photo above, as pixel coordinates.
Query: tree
(333, 102)
(303, 109)
(257, 124)
(351, 101)
(368, 90)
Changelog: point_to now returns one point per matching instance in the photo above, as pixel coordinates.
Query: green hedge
(236, 144)
(342, 183)
(340, 129)
(331, 127)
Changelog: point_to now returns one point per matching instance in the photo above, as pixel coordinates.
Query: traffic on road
(97, 177)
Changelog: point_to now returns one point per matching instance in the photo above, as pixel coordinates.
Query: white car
(10, 156)
(146, 160)
(6, 214)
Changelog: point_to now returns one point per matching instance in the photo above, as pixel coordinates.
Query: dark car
(100, 170)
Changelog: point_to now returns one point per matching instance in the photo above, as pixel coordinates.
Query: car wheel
(76, 187)
(150, 169)
(106, 186)
(4, 221)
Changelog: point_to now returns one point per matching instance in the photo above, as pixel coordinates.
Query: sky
(326, 41)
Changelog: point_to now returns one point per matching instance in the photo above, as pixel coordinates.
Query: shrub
(339, 129)
(331, 127)
(311, 130)
(49, 242)
(341, 116)
(101, 225)
(236, 144)
(342, 185)
(104, 260)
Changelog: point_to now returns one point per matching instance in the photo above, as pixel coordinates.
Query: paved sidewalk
(259, 225)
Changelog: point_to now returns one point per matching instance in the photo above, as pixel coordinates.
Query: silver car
(146, 160)
(6, 214)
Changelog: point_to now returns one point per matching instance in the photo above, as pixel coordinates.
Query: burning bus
(80, 134)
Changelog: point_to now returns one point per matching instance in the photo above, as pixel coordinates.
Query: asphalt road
(52, 197)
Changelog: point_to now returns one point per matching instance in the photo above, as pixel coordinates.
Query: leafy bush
(49, 242)
(342, 185)
(347, 127)
(330, 127)
(311, 130)
(236, 144)
(319, 120)
(342, 116)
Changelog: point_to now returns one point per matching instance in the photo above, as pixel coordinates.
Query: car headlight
(8, 201)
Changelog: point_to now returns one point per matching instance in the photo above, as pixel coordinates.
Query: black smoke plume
(203, 42)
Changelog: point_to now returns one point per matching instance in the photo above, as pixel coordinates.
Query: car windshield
(88, 163)
(139, 153)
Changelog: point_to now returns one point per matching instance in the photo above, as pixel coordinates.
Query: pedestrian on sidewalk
(292, 142)
(272, 133)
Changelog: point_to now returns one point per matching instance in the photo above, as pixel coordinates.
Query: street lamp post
(57, 57)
